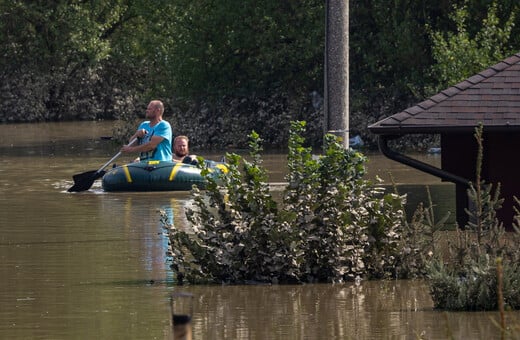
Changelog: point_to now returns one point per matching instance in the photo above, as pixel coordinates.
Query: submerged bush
(330, 226)
(475, 287)
(346, 227)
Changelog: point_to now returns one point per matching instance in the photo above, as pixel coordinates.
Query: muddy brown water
(93, 264)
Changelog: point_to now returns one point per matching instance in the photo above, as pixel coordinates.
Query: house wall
(499, 165)
(458, 157)
(502, 166)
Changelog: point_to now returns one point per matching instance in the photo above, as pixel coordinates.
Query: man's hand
(140, 133)
(126, 148)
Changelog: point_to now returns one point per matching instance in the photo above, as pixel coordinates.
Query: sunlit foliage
(331, 226)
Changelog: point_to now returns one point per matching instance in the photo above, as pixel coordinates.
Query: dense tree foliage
(240, 47)
(459, 54)
(55, 58)
(226, 67)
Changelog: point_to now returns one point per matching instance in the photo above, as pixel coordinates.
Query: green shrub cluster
(474, 286)
(329, 225)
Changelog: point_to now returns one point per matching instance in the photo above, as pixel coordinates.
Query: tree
(390, 56)
(53, 52)
(461, 54)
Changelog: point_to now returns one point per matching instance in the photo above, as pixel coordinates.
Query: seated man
(181, 151)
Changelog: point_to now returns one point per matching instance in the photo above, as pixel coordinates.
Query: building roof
(491, 97)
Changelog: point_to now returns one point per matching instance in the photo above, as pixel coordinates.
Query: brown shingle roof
(491, 97)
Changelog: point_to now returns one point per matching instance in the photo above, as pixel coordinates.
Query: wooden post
(182, 312)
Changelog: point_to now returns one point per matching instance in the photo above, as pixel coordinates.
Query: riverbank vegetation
(227, 67)
(331, 225)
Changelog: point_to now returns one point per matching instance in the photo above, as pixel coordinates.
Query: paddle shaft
(85, 180)
(115, 156)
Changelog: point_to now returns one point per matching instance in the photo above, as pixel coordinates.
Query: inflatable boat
(158, 176)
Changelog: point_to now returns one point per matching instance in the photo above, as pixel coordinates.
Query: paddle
(85, 180)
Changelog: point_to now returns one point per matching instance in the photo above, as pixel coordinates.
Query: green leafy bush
(331, 224)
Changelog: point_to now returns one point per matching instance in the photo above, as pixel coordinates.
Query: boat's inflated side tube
(156, 176)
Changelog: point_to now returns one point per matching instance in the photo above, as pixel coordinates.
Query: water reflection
(372, 310)
(82, 266)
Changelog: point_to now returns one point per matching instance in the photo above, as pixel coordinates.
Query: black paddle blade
(85, 180)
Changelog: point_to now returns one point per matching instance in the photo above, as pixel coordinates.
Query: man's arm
(149, 146)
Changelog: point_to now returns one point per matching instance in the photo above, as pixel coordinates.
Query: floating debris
(355, 142)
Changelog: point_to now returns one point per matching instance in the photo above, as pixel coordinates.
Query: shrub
(332, 225)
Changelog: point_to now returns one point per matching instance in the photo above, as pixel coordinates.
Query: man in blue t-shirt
(154, 136)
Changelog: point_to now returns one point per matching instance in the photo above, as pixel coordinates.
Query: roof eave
(407, 130)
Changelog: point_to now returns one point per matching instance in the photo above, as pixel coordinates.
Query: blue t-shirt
(163, 151)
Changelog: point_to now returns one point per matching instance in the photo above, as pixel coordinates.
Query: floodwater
(94, 265)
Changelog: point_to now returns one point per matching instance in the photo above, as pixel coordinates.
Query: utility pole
(336, 75)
